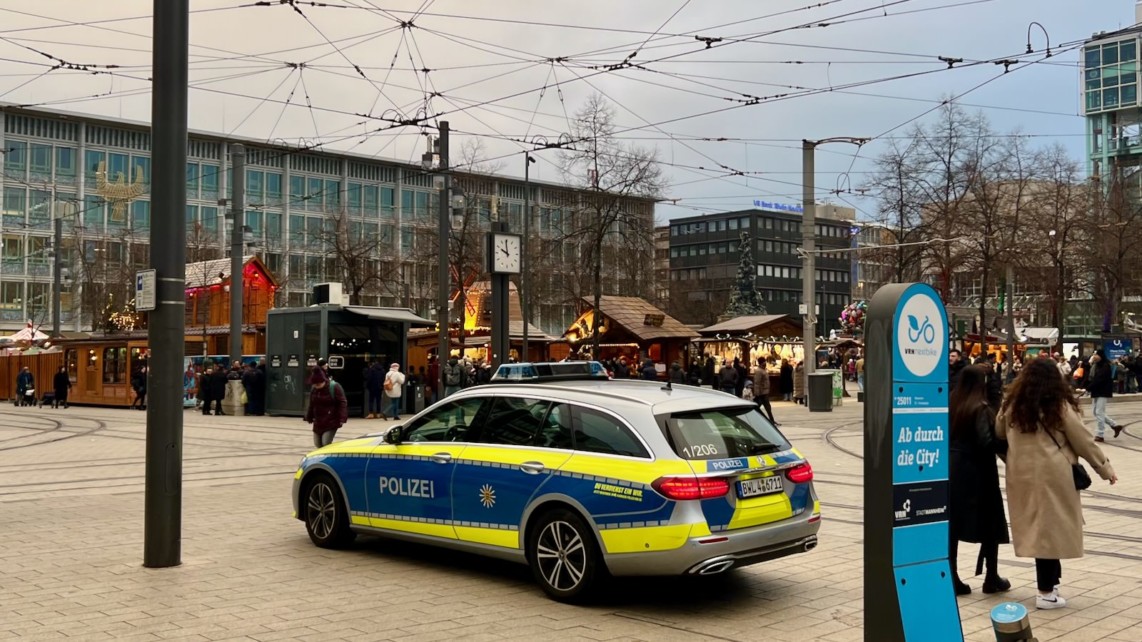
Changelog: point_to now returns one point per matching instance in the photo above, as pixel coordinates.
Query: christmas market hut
(630, 327)
(770, 336)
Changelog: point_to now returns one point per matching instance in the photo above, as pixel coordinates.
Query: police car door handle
(531, 467)
(442, 458)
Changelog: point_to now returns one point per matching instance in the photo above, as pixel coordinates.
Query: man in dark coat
(62, 384)
(743, 377)
(786, 380)
(1101, 389)
(217, 387)
(728, 378)
(139, 385)
(648, 372)
(24, 382)
(677, 374)
(374, 382)
(708, 377)
(956, 365)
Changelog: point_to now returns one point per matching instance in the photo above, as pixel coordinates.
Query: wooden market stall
(630, 327)
(773, 337)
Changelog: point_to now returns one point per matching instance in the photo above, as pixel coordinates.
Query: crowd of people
(208, 386)
(1035, 427)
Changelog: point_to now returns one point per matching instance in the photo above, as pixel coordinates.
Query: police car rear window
(723, 433)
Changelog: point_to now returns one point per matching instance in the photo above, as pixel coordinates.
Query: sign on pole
(145, 291)
(908, 594)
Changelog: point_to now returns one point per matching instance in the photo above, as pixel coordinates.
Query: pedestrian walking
(708, 375)
(216, 390)
(976, 505)
(61, 383)
(394, 380)
(374, 385)
(677, 374)
(139, 385)
(743, 377)
(694, 374)
(1101, 389)
(956, 364)
(328, 408)
(1045, 435)
(859, 366)
(761, 390)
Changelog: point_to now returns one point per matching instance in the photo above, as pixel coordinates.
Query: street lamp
(443, 228)
(524, 298)
(808, 231)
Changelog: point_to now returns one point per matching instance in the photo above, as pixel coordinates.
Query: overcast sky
(511, 70)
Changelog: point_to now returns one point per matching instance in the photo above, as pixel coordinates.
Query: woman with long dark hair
(1045, 435)
(976, 505)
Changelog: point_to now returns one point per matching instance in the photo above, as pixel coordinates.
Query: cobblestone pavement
(71, 543)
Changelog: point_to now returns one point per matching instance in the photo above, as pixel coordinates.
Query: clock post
(503, 258)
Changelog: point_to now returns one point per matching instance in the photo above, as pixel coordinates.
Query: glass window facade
(1110, 76)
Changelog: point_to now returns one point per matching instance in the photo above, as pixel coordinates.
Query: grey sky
(500, 66)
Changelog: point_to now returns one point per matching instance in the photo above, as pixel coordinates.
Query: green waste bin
(821, 392)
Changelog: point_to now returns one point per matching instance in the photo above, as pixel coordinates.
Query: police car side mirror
(393, 436)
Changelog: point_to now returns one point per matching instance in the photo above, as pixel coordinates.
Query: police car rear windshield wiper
(762, 449)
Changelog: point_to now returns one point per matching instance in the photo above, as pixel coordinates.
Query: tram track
(57, 426)
(137, 482)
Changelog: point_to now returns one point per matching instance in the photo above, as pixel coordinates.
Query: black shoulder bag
(1082, 478)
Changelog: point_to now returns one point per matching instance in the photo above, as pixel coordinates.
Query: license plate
(760, 486)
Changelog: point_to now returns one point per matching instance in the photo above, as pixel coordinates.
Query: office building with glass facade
(301, 209)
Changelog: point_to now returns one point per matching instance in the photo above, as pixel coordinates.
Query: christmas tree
(745, 300)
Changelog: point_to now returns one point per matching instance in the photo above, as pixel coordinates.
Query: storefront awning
(398, 315)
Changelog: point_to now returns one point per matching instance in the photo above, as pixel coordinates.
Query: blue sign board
(1116, 348)
(779, 207)
(906, 469)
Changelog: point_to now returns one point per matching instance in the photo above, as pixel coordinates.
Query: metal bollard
(1011, 623)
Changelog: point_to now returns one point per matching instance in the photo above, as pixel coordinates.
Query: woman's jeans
(1101, 420)
(1047, 574)
(395, 407)
(323, 438)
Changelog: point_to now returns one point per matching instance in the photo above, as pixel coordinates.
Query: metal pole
(57, 276)
(1010, 324)
(524, 294)
(237, 244)
(809, 277)
(443, 286)
(162, 522)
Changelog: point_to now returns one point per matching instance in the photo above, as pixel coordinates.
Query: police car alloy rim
(561, 555)
(322, 510)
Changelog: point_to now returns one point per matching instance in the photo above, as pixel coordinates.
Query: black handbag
(1078, 472)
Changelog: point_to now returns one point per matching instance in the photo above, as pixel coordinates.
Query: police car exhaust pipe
(713, 568)
(810, 544)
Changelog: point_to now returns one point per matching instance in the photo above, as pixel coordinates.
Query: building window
(210, 181)
(191, 223)
(192, 178)
(41, 160)
(273, 226)
(733, 224)
(141, 216)
(314, 187)
(65, 164)
(210, 219)
(296, 189)
(273, 188)
(255, 186)
(15, 158)
(114, 365)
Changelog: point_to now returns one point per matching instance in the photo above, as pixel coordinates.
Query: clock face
(506, 254)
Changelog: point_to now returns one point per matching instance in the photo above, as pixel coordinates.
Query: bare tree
(896, 184)
(356, 248)
(1110, 244)
(614, 178)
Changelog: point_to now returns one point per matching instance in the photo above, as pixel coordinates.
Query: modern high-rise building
(705, 252)
(312, 216)
(1110, 103)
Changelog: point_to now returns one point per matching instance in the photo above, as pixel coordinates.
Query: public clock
(504, 253)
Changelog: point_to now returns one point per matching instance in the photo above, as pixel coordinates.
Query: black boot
(959, 586)
(995, 584)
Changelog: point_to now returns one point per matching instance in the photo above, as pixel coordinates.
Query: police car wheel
(563, 555)
(326, 519)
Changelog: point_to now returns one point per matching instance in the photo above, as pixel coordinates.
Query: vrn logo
(903, 513)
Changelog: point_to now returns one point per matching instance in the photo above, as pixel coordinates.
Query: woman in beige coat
(1045, 434)
(799, 382)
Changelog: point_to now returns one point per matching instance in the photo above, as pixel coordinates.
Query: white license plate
(760, 486)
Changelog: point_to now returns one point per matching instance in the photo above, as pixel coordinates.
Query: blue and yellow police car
(558, 467)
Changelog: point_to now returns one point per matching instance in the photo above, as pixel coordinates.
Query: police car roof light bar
(553, 371)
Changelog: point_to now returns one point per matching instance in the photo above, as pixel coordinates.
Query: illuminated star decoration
(487, 496)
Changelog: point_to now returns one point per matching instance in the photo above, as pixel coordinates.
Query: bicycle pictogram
(916, 330)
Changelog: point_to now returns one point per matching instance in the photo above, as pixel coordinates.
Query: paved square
(71, 492)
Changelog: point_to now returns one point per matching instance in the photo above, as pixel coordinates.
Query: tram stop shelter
(348, 337)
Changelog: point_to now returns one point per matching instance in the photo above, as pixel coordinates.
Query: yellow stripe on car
(649, 538)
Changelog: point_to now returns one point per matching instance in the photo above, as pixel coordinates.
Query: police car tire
(330, 530)
(581, 555)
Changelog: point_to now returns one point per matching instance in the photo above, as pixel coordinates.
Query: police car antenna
(667, 387)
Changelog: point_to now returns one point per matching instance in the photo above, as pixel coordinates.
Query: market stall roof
(641, 319)
(27, 334)
(217, 272)
(747, 323)
(1040, 335)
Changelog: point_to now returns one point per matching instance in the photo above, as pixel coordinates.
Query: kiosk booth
(349, 337)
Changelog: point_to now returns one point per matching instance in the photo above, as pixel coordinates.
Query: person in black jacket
(728, 378)
(61, 384)
(694, 374)
(708, 377)
(956, 365)
(975, 504)
(374, 382)
(786, 380)
(215, 390)
(648, 371)
(677, 374)
(1101, 389)
(139, 385)
(743, 377)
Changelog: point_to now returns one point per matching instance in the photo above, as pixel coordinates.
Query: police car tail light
(800, 473)
(683, 488)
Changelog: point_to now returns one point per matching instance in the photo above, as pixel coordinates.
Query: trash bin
(821, 392)
(413, 400)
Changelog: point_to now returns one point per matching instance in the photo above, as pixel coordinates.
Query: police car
(558, 467)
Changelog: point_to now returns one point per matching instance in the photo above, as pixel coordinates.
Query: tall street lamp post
(808, 243)
(524, 293)
(444, 225)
